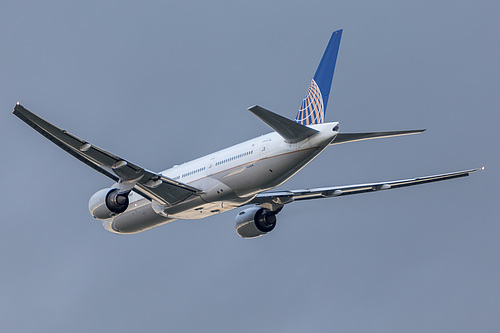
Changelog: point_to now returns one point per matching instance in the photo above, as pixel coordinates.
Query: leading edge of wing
(274, 200)
(149, 184)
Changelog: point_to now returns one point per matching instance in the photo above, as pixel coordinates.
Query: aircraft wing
(275, 200)
(150, 185)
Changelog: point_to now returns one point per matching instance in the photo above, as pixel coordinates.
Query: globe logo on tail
(311, 110)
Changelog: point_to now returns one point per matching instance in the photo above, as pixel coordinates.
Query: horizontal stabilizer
(350, 137)
(290, 130)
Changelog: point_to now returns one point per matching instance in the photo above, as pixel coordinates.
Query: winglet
(290, 130)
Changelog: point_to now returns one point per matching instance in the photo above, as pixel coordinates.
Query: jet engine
(108, 202)
(254, 222)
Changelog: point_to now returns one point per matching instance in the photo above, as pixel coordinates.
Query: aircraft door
(263, 149)
(211, 166)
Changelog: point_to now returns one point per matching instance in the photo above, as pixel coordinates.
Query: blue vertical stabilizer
(313, 108)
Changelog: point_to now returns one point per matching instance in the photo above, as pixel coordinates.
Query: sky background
(160, 83)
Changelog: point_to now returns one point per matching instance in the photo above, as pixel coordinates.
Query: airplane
(241, 175)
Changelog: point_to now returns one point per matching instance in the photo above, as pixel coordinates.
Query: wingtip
(18, 104)
(477, 169)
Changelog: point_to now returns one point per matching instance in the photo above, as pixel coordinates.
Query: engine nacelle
(254, 222)
(108, 203)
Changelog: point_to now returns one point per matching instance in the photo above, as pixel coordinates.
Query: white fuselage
(229, 178)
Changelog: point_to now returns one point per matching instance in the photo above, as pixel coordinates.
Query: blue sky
(161, 83)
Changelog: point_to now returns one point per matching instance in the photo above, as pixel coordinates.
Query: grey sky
(160, 83)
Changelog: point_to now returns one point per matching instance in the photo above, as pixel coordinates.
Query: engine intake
(254, 222)
(107, 203)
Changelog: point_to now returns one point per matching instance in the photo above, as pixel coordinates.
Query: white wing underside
(275, 200)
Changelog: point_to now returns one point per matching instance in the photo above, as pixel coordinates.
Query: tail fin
(313, 108)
